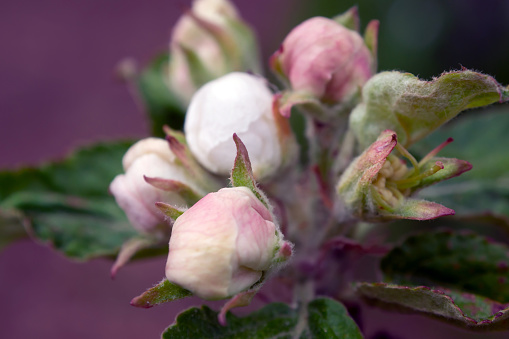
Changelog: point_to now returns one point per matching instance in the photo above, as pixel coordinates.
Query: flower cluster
(226, 240)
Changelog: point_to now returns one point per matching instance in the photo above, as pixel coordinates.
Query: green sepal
(242, 173)
(198, 72)
(417, 209)
(451, 168)
(170, 211)
(245, 40)
(414, 108)
(371, 41)
(189, 195)
(204, 180)
(163, 292)
(349, 19)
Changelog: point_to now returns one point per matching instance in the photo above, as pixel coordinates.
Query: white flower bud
(235, 103)
(149, 157)
(222, 244)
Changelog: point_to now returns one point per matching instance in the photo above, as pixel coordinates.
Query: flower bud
(377, 184)
(151, 158)
(322, 61)
(223, 244)
(208, 41)
(237, 103)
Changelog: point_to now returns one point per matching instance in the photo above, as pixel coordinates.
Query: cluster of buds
(226, 242)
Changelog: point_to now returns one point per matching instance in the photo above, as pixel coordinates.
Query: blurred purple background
(58, 91)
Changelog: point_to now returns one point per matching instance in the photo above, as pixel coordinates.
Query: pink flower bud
(322, 59)
(222, 244)
(208, 41)
(152, 158)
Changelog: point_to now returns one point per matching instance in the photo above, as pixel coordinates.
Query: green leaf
(87, 172)
(482, 140)
(67, 205)
(329, 319)
(325, 318)
(162, 106)
(163, 292)
(466, 310)
(465, 262)
(414, 108)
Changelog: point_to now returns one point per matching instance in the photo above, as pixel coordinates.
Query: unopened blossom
(378, 184)
(208, 41)
(223, 244)
(150, 158)
(238, 103)
(322, 60)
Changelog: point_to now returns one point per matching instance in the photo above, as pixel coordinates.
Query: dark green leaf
(162, 106)
(481, 139)
(467, 310)
(330, 319)
(414, 108)
(67, 204)
(462, 261)
(87, 172)
(326, 318)
(163, 292)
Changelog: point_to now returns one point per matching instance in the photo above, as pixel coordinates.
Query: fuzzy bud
(322, 61)
(151, 158)
(208, 41)
(243, 104)
(377, 185)
(223, 244)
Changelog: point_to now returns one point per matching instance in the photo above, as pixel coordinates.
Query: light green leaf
(414, 108)
(326, 318)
